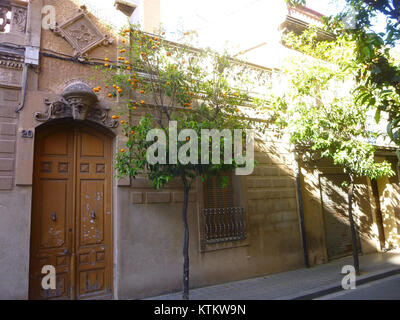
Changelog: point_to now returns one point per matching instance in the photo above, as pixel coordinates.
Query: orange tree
(176, 85)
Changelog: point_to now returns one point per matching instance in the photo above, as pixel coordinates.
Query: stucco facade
(147, 233)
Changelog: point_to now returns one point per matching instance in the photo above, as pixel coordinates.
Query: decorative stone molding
(11, 61)
(81, 33)
(78, 102)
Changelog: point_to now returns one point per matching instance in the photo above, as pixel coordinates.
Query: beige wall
(151, 233)
(14, 200)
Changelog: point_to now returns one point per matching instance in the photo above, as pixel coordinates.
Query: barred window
(223, 221)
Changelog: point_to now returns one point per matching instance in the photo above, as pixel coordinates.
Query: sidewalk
(298, 284)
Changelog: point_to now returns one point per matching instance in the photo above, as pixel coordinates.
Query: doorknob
(93, 214)
(53, 216)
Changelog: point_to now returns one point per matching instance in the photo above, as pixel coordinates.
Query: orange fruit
(168, 54)
(188, 139)
(122, 50)
(132, 132)
(122, 150)
(123, 41)
(129, 68)
(119, 90)
(106, 59)
(142, 102)
(106, 65)
(110, 95)
(122, 121)
(115, 117)
(127, 62)
(141, 91)
(134, 108)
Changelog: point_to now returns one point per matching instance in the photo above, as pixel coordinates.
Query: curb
(334, 289)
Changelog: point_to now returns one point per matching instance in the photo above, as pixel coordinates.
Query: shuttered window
(215, 195)
(223, 222)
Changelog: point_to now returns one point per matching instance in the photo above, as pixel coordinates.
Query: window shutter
(215, 196)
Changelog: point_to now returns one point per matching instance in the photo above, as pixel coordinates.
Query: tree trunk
(185, 241)
(352, 226)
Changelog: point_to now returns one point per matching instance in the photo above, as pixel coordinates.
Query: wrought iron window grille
(224, 225)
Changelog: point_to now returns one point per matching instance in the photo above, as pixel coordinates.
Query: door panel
(71, 216)
(94, 236)
(53, 214)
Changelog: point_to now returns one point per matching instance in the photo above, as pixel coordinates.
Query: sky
(236, 23)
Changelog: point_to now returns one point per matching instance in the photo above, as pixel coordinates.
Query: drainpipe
(24, 87)
(301, 214)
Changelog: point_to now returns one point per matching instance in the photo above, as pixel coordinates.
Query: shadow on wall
(326, 212)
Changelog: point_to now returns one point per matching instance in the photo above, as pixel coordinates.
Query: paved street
(384, 289)
(299, 284)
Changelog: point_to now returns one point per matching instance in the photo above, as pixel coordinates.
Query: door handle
(53, 216)
(93, 214)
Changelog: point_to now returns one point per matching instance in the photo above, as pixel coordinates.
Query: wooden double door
(72, 213)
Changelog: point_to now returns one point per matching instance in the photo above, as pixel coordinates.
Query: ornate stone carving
(81, 33)
(18, 19)
(77, 102)
(18, 16)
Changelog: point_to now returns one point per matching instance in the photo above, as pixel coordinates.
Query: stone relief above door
(80, 103)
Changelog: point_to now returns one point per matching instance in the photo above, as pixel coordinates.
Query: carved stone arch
(77, 102)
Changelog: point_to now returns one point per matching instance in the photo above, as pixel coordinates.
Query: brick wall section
(9, 99)
(271, 190)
